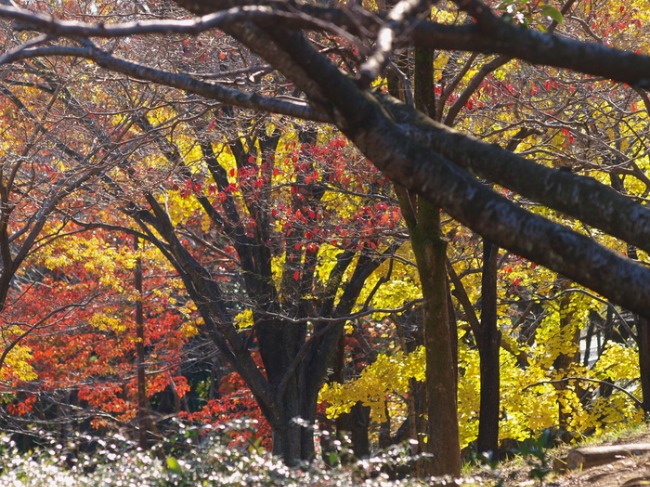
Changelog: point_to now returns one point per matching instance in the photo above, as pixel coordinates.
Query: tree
(433, 161)
(291, 268)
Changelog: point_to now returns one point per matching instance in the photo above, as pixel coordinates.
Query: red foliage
(235, 402)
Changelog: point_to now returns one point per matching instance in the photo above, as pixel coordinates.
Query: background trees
(279, 232)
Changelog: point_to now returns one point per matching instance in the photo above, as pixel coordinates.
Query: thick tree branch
(538, 48)
(581, 197)
(490, 35)
(444, 184)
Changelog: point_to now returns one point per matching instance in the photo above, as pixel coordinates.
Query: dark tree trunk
(356, 423)
(294, 406)
(488, 340)
(293, 435)
(643, 342)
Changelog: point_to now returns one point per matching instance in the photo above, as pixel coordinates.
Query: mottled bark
(442, 432)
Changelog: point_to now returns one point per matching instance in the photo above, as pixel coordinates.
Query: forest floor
(618, 471)
(627, 471)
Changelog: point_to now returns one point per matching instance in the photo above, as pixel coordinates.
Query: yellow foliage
(104, 322)
(18, 365)
(617, 362)
(244, 319)
(189, 329)
(379, 386)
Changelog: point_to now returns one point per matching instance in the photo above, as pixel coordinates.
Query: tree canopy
(267, 149)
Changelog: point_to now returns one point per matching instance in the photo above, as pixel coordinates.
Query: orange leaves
(21, 408)
(80, 317)
(235, 401)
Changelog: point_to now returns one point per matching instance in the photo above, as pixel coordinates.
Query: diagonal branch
(446, 185)
(581, 197)
(397, 20)
(184, 82)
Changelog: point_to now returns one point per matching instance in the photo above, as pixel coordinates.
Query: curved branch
(637, 402)
(537, 48)
(175, 80)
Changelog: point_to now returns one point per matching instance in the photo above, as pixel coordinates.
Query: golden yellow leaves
(105, 322)
(381, 385)
(244, 319)
(17, 365)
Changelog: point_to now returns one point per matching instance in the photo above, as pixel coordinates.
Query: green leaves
(552, 13)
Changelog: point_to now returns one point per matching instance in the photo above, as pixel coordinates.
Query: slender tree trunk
(488, 340)
(564, 361)
(643, 342)
(423, 221)
(143, 417)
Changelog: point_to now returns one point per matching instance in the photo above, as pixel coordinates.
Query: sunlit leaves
(380, 386)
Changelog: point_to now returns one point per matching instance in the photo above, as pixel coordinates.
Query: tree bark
(442, 432)
(293, 435)
(423, 221)
(643, 342)
(488, 341)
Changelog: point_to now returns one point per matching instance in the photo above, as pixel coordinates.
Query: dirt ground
(625, 472)
(628, 471)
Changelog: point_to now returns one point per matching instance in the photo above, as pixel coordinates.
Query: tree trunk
(442, 432)
(488, 340)
(293, 434)
(643, 342)
(564, 361)
(357, 421)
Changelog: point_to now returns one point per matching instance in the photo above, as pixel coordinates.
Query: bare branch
(395, 22)
(175, 80)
